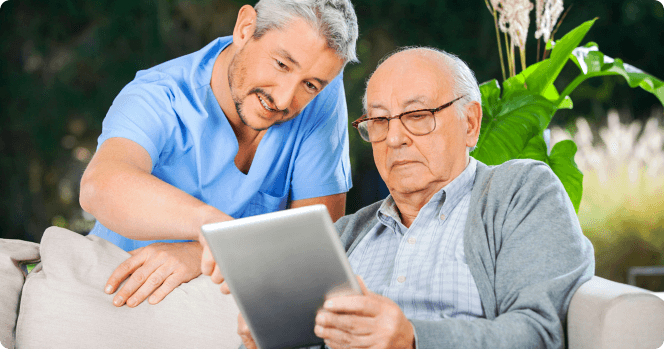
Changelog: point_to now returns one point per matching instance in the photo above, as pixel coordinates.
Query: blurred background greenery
(63, 63)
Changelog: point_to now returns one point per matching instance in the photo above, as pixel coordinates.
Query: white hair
(335, 19)
(465, 83)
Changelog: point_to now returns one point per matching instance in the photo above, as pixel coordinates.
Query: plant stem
(500, 49)
(510, 58)
(513, 58)
(522, 52)
(538, 49)
(560, 21)
(572, 85)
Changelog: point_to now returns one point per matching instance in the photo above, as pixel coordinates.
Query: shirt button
(401, 279)
(412, 241)
(442, 217)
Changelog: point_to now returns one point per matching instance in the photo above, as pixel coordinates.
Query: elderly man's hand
(245, 334)
(364, 321)
(154, 270)
(209, 266)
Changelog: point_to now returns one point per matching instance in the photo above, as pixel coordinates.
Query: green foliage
(594, 63)
(513, 124)
(509, 123)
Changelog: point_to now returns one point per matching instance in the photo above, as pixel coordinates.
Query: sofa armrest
(13, 253)
(606, 314)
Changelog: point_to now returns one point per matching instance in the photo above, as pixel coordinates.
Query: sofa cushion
(64, 305)
(13, 253)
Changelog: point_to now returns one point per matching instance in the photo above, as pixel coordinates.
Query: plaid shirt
(423, 268)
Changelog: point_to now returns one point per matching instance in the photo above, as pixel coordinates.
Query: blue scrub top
(170, 111)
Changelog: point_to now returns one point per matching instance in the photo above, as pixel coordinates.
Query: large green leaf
(535, 149)
(547, 72)
(561, 161)
(593, 63)
(509, 123)
(518, 83)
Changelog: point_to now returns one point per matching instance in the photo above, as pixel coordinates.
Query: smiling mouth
(264, 104)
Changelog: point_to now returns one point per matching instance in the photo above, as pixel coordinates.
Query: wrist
(207, 215)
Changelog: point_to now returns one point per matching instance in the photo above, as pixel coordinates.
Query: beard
(236, 73)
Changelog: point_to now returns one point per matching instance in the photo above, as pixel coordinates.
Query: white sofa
(62, 305)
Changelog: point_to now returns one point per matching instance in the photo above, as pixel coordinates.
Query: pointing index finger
(122, 272)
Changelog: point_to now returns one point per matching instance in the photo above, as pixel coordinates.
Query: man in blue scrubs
(252, 123)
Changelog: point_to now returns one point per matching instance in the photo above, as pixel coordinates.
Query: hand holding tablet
(280, 268)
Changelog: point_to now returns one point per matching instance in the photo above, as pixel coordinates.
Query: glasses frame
(433, 111)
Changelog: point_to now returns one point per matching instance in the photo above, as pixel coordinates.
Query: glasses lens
(373, 130)
(362, 129)
(419, 122)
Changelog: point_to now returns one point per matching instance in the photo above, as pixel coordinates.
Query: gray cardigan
(525, 250)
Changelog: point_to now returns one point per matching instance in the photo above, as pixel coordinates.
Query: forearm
(139, 206)
(510, 331)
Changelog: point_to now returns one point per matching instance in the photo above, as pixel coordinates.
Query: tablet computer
(280, 268)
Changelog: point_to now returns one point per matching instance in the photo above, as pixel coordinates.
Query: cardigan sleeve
(528, 256)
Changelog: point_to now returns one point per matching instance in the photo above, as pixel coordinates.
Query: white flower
(515, 19)
(547, 13)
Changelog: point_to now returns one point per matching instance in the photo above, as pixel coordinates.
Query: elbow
(88, 191)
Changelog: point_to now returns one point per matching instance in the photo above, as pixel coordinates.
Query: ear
(245, 25)
(474, 118)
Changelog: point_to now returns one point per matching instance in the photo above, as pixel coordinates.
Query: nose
(397, 135)
(284, 94)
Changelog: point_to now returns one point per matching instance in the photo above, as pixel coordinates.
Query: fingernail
(318, 329)
(108, 289)
(329, 304)
(131, 302)
(117, 301)
(152, 299)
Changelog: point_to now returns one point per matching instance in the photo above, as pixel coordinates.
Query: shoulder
(151, 86)
(182, 73)
(514, 174)
(511, 168)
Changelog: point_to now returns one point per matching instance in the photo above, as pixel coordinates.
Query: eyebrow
(417, 99)
(287, 55)
(282, 52)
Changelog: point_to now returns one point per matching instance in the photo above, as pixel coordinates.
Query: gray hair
(335, 20)
(465, 83)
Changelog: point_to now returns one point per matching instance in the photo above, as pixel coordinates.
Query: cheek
(434, 154)
(379, 158)
(300, 100)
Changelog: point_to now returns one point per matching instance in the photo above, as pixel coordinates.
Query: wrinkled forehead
(409, 78)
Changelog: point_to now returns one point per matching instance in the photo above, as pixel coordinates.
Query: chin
(251, 119)
(257, 124)
(407, 187)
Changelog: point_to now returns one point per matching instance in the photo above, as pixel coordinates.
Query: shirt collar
(442, 203)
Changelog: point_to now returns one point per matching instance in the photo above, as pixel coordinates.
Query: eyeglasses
(418, 122)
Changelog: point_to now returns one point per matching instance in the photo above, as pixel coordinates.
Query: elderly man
(459, 255)
(214, 135)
